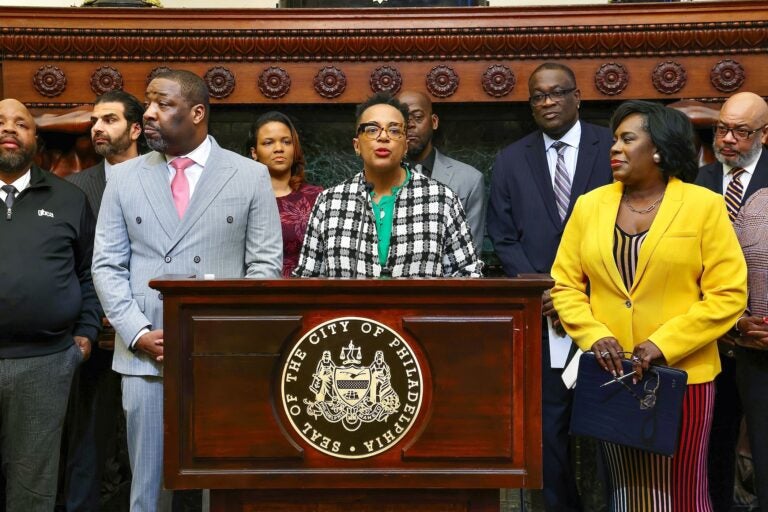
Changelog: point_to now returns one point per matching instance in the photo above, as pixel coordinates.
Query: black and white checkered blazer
(430, 235)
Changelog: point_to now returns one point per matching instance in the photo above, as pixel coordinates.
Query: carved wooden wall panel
(62, 57)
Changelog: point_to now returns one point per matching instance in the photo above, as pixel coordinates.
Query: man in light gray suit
(188, 207)
(465, 181)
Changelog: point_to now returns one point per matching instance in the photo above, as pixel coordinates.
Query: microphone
(364, 203)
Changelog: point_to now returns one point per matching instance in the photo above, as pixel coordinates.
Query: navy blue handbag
(646, 415)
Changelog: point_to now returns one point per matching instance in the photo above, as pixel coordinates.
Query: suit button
(160, 296)
(628, 303)
(230, 220)
(167, 259)
(138, 220)
(197, 259)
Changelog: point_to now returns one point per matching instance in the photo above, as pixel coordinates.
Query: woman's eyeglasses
(373, 131)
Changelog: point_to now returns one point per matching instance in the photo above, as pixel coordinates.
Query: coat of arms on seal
(351, 387)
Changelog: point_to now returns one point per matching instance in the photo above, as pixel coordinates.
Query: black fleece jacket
(46, 292)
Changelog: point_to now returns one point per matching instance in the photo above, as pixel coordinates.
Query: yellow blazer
(690, 284)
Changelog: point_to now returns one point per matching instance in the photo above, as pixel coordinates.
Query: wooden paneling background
(62, 57)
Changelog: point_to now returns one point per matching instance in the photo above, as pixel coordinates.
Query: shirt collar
(749, 168)
(428, 164)
(22, 182)
(397, 188)
(199, 155)
(572, 137)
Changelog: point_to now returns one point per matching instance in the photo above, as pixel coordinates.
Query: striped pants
(645, 482)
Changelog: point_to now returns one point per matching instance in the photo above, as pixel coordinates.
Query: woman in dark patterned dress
(276, 145)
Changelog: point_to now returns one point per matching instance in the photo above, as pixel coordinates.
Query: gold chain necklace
(649, 209)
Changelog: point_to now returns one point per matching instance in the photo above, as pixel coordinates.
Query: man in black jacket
(49, 310)
(94, 402)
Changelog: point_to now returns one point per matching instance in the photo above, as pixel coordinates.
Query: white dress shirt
(745, 178)
(572, 138)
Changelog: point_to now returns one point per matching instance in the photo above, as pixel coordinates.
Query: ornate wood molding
(716, 44)
(360, 45)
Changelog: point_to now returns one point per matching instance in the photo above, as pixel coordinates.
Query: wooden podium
(364, 395)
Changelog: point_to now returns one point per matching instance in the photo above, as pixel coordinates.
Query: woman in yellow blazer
(651, 265)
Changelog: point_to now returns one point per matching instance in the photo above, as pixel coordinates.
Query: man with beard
(94, 401)
(188, 207)
(534, 186)
(465, 181)
(50, 310)
(741, 169)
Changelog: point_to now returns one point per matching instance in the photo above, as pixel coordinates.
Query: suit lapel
(539, 168)
(713, 178)
(585, 164)
(217, 172)
(609, 209)
(99, 183)
(153, 177)
(759, 177)
(670, 205)
(442, 172)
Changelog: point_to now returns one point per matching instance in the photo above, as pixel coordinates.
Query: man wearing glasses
(534, 186)
(741, 169)
(387, 221)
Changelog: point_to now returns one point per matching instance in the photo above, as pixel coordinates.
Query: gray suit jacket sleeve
(264, 243)
(111, 268)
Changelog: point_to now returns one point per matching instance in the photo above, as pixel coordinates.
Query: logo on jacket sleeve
(352, 387)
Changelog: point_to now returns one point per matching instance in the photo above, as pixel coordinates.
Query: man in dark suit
(94, 403)
(465, 181)
(534, 186)
(741, 169)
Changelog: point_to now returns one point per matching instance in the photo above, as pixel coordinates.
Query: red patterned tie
(734, 193)
(180, 184)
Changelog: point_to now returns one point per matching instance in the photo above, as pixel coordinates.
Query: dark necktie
(562, 180)
(11, 197)
(734, 193)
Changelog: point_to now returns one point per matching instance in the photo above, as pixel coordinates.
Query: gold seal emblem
(351, 387)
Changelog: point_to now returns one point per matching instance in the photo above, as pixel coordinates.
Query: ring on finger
(604, 354)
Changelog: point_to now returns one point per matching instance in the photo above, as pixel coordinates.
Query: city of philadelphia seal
(351, 387)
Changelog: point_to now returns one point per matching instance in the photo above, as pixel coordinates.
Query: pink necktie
(180, 184)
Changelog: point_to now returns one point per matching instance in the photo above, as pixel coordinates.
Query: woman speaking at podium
(387, 221)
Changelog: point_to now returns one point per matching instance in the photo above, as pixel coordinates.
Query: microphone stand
(364, 203)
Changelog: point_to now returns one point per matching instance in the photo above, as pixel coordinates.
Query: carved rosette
(330, 82)
(156, 71)
(220, 82)
(49, 81)
(669, 77)
(498, 80)
(727, 75)
(274, 82)
(611, 78)
(106, 79)
(442, 81)
(386, 79)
